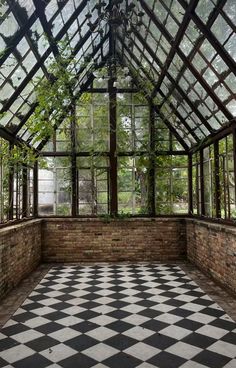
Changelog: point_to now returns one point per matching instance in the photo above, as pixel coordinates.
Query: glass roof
(182, 56)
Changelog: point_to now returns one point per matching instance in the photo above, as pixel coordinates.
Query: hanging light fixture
(119, 75)
(117, 17)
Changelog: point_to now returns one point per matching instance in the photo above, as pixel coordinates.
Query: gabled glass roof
(183, 57)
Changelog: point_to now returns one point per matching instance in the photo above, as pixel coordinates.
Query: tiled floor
(118, 316)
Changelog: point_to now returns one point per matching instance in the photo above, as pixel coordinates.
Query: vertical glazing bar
(36, 184)
(24, 191)
(151, 178)
(190, 184)
(10, 190)
(202, 183)
(217, 179)
(73, 160)
(112, 115)
(234, 158)
(113, 155)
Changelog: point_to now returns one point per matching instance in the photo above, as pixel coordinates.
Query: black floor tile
(166, 360)
(211, 359)
(36, 361)
(122, 360)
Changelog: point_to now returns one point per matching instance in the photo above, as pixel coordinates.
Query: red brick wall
(212, 247)
(94, 240)
(20, 253)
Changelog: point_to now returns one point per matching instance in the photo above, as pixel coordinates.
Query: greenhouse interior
(118, 183)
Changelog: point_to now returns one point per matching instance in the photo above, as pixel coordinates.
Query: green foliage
(3, 3)
(53, 97)
(18, 155)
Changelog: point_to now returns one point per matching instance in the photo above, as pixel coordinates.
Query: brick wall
(212, 247)
(20, 253)
(93, 240)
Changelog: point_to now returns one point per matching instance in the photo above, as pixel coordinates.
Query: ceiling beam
(21, 33)
(21, 22)
(5, 134)
(214, 14)
(176, 42)
(211, 38)
(38, 65)
(220, 134)
(185, 59)
(31, 111)
(118, 90)
(40, 6)
(77, 47)
(171, 79)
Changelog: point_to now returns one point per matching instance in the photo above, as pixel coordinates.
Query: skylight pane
(67, 10)
(230, 10)
(23, 46)
(221, 29)
(28, 5)
(204, 9)
(9, 27)
(8, 66)
(51, 9)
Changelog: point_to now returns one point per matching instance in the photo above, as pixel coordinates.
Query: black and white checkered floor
(118, 316)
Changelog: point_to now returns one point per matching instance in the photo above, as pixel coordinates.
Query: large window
(213, 173)
(171, 185)
(92, 181)
(92, 123)
(132, 123)
(208, 181)
(16, 183)
(227, 178)
(133, 185)
(54, 187)
(89, 167)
